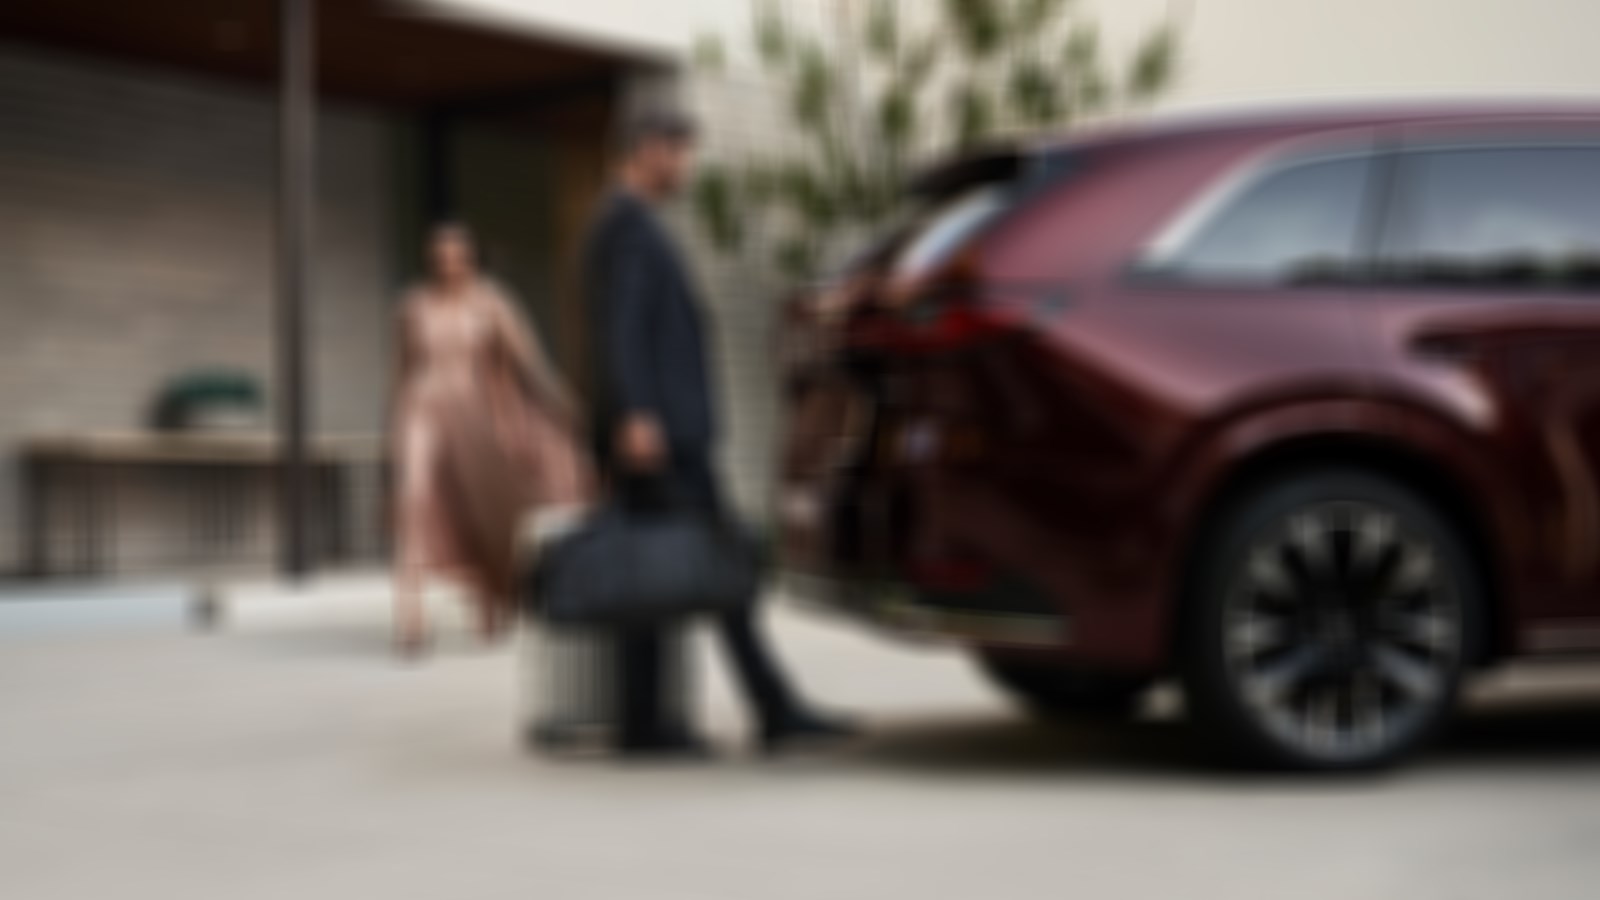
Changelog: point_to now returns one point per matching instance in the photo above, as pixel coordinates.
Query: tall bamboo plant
(885, 85)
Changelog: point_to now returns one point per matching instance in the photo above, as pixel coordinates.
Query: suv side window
(1509, 216)
(1294, 225)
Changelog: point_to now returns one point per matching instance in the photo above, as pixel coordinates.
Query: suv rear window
(945, 229)
(948, 206)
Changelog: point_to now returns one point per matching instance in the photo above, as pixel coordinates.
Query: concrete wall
(136, 242)
(1238, 50)
(745, 292)
(1251, 51)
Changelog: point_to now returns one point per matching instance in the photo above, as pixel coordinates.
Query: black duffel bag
(629, 566)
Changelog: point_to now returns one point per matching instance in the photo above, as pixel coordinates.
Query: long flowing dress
(485, 432)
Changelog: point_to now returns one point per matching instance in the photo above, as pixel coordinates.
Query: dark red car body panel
(1115, 414)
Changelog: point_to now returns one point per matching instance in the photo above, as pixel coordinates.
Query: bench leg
(206, 609)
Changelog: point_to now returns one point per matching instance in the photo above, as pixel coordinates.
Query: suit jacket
(649, 345)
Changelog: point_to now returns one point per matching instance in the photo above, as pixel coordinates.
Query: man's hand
(832, 305)
(641, 445)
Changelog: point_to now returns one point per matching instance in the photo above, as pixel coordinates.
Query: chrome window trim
(1457, 145)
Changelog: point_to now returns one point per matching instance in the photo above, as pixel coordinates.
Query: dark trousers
(644, 715)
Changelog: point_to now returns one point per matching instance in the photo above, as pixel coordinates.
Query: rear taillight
(934, 320)
(947, 327)
(951, 574)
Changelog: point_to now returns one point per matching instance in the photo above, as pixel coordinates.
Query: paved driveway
(291, 758)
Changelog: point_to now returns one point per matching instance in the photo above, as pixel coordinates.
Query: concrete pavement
(290, 757)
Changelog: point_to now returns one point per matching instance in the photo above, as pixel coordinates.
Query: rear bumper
(902, 610)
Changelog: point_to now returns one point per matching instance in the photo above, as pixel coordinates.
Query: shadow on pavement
(359, 642)
(1002, 745)
(1511, 732)
(1526, 729)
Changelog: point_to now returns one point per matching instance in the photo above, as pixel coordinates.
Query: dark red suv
(1303, 410)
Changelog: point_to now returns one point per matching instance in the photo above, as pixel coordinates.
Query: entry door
(527, 180)
(505, 190)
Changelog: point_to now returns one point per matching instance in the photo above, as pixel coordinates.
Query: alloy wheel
(1342, 630)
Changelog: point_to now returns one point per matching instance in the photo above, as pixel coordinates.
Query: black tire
(1054, 692)
(1330, 618)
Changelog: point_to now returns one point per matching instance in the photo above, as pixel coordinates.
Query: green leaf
(883, 29)
(978, 26)
(759, 184)
(1034, 92)
(917, 62)
(801, 189)
(1083, 48)
(896, 115)
(716, 204)
(973, 111)
(882, 195)
(1036, 16)
(772, 34)
(1154, 65)
(853, 189)
(1088, 92)
(1093, 93)
(796, 258)
(812, 92)
(710, 55)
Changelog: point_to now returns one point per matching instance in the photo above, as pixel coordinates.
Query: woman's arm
(405, 362)
(528, 359)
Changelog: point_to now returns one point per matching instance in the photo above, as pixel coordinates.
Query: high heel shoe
(804, 729)
(495, 630)
(411, 646)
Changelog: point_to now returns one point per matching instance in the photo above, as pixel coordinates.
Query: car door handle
(1052, 303)
(1453, 349)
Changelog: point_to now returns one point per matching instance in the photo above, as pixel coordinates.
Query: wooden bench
(222, 479)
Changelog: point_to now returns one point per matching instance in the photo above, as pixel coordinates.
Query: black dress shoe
(562, 737)
(685, 747)
(805, 730)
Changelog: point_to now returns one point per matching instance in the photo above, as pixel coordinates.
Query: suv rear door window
(1293, 225)
(944, 231)
(1524, 216)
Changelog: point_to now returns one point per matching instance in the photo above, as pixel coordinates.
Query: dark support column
(38, 477)
(438, 200)
(296, 211)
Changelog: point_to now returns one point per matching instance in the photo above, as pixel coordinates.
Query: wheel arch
(1441, 484)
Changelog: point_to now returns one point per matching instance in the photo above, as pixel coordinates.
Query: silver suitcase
(570, 686)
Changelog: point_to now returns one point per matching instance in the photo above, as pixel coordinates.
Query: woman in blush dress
(484, 431)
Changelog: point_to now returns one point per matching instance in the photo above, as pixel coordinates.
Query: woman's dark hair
(455, 230)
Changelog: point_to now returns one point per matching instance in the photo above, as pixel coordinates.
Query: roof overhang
(403, 52)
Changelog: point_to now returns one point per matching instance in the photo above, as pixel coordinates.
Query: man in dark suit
(656, 427)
